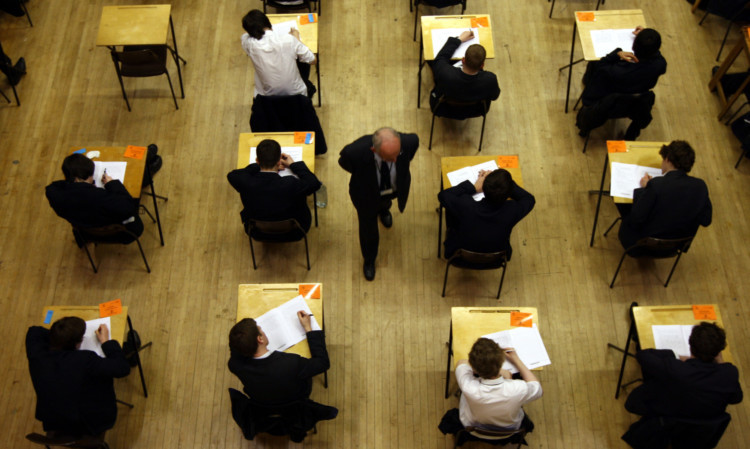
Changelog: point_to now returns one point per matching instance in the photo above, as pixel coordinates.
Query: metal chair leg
(550, 9)
(502, 279)
(148, 269)
(679, 254)
(624, 253)
(703, 18)
(252, 249)
(612, 226)
(723, 42)
(432, 127)
(734, 114)
(26, 11)
(445, 279)
(742, 154)
(5, 96)
(174, 98)
(15, 94)
(586, 142)
(416, 19)
(137, 355)
(307, 253)
(86, 248)
(481, 135)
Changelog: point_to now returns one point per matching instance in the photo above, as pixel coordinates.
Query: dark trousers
(304, 72)
(369, 238)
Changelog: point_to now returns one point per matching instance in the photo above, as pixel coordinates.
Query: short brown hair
(268, 153)
(680, 154)
(243, 338)
(474, 57)
(66, 333)
(707, 340)
(486, 358)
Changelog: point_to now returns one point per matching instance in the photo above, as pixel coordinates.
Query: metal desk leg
(448, 367)
(625, 353)
(131, 337)
(177, 56)
(570, 67)
(599, 201)
(440, 218)
(317, 72)
(315, 205)
(419, 74)
(156, 207)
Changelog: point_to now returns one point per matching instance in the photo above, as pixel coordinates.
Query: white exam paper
(675, 337)
(471, 174)
(116, 170)
(441, 35)
(284, 27)
(90, 342)
(607, 40)
(627, 177)
(527, 343)
(294, 152)
(282, 327)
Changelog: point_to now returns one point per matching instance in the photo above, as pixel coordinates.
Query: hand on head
(304, 320)
(102, 333)
(637, 30)
(285, 161)
(480, 180)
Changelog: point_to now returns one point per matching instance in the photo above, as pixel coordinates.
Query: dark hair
(497, 186)
(474, 57)
(77, 166)
(67, 332)
(255, 23)
(268, 153)
(486, 358)
(647, 44)
(680, 154)
(707, 340)
(243, 338)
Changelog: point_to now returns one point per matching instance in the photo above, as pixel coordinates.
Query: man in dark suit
(268, 196)
(484, 226)
(379, 164)
(74, 388)
(84, 205)
(669, 206)
(468, 83)
(697, 387)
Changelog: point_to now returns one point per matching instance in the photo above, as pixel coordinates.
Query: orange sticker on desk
(616, 146)
(522, 319)
(110, 308)
(299, 137)
(308, 18)
(134, 152)
(585, 16)
(310, 291)
(704, 312)
(507, 161)
(479, 22)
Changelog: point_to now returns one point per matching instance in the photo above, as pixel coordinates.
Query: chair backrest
(480, 261)
(275, 227)
(440, 3)
(661, 248)
(82, 442)
(491, 434)
(452, 108)
(141, 61)
(302, 4)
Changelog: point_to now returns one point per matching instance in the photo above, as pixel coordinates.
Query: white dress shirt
(493, 402)
(275, 59)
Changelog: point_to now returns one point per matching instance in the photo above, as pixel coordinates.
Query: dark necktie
(385, 176)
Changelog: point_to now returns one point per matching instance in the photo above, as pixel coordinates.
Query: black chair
(732, 10)
(153, 165)
(477, 261)
(677, 433)
(303, 4)
(636, 107)
(435, 4)
(105, 234)
(460, 110)
(654, 248)
(81, 442)
(140, 62)
(276, 232)
(494, 437)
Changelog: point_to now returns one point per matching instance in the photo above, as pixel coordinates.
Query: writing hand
(304, 320)
(466, 36)
(511, 355)
(646, 178)
(286, 160)
(627, 56)
(294, 32)
(102, 333)
(637, 30)
(106, 178)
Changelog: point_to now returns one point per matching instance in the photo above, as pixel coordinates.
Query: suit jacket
(481, 226)
(670, 206)
(611, 75)
(86, 206)
(457, 85)
(689, 389)
(358, 159)
(281, 378)
(271, 197)
(74, 389)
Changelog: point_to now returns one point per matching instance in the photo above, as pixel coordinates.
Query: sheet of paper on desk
(627, 177)
(282, 327)
(607, 40)
(294, 152)
(471, 174)
(528, 345)
(441, 35)
(284, 27)
(116, 170)
(90, 341)
(674, 337)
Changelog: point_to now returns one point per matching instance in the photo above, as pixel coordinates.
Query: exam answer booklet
(441, 35)
(471, 174)
(627, 177)
(116, 170)
(282, 327)
(527, 343)
(674, 337)
(294, 152)
(90, 341)
(604, 41)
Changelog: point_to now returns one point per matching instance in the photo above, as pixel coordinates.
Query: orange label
(704, 312)
(308, 18)
(585, 16)
(313, 290)
(507, 161)
(617, 146)
(134, 152)
(520, 319)
(110, 308)
(299, 137)
(480, 22)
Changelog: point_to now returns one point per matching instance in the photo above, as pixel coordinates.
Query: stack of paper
(675, 337)
(627, 177)
(282, 327)
(284, 27)
(607, 40)
(115, 170)
(441, 35)
(527, 343)
(294, 152)
(90, 342)
(471, 174)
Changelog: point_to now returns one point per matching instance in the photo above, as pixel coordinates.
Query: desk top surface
(308, 33)
(133, 172)
(285, 139)
(256, 299)
(457, 21)
(470, 323)
(638, 153)
(645, 317)
(449, 164)
(87, 313)
(134, 25)
(605, 20)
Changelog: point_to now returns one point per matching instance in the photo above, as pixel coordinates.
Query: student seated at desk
(268, 196)
(484, 226)
(490, 397)
(669, 206)
(468, 83)
(84, 205)
(74, 388)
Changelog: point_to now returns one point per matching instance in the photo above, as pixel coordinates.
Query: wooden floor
(386, 338)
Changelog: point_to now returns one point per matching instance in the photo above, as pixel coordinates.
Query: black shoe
(369, 270)
(386, 218)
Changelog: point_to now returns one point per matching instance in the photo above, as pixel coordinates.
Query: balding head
(386, 143)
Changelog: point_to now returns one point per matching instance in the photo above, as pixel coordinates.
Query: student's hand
(294, 32)
(506, 374)
(719, 358)
(106, 178)
(102, 333)
(466, 36)
(637, 30)
(511, 355)
(286, 160)
(684, 358)
(304, 320)
(646, 178)
(480, 180)
(627, 56)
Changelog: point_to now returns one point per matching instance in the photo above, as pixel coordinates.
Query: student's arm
(119, 203)
(656, 363)
(452, 197)
(37, 341)
(309, 183)
(236, 177)
(114, 364)
(318, 361)
(523, 199)
(644, 200)
(525, 373)
(303, 53)
(705, 215)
